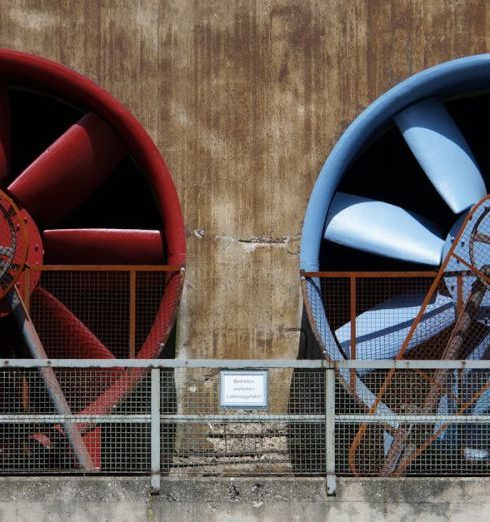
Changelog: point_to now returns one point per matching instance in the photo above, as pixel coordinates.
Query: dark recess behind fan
(37, 121)
(387, 170)
(123, 200)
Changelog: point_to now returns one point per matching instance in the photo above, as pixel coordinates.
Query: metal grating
(169, 421)
(103, 312)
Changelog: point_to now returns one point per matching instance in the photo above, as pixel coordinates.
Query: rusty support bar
(459, 309)
(105, 268)
(132, 314)
(371, 274)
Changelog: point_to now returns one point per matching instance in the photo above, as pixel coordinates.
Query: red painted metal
(33, 257)
(50, 77)
(104, 246)
(13, 244)
(4, 132)
(59, 180)
(68, 171)
(69, 329)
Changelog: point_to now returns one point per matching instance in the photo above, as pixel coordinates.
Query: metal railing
(170, 420)
(132, 299)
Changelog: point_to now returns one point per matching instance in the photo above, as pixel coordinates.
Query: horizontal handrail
(373, 274)
(105, 268)
(247, 364)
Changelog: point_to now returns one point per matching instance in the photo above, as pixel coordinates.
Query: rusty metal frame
(392, 465)
(436, 384)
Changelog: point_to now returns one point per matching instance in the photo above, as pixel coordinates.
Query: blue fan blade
(332, 352)
(381, 331)
(383, 229)
(443, 153)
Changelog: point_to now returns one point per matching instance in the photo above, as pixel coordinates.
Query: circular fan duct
(391, 198)
(81, 184)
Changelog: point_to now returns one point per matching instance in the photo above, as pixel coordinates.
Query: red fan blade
(103, 246)
(73, 339)
(4, 132)
(68, 171)
(150, 349)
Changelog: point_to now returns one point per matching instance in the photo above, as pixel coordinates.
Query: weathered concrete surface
(201, 500)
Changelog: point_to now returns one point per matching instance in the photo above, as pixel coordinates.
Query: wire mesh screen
(35, 438)
(276, 439)
(411, 316)
(451, 437)
(115, 427)
(102, 313)
(197, 435)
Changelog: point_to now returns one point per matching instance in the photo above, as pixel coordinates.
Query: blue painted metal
(454, 77)
(334, 353)
(380, 228)
(443, 153)
(384, 229)
(379, 334)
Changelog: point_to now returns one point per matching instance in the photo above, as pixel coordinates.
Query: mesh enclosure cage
(369, 316)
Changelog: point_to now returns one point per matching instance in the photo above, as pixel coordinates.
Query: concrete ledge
(244, 499)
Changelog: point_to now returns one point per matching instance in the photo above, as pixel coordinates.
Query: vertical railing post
(132, 314)
(155, 430)
(353, 315)
(330, 431)
(27, 289)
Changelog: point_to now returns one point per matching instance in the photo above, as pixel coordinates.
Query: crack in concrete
(251, 243)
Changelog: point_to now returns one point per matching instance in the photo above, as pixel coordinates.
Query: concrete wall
(244, 500)
(245, 98)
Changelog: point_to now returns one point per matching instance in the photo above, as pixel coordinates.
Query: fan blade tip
(104, 246)
(442, 152)
(382, 229)
(69, 170)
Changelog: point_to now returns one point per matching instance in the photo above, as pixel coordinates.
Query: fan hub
(20, 245)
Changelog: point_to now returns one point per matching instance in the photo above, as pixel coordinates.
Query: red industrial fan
(43, 184)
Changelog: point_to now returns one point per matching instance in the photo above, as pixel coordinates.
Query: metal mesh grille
(33, 435)
(452, 438)
(214, 440)
(442, 315)
(90, 313)
(198, 437)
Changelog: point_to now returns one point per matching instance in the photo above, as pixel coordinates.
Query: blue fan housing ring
(448, 79)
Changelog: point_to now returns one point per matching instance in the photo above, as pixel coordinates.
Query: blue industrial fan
(385, 230)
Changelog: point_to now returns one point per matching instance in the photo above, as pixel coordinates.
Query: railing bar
(330, 432)
(47, 419)
(353, 315)
(132, 314)
(371, 274)
(104, 268)
(416, 419)
(244, 363)
(155, 430)
(231, 419)
(242, 418)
